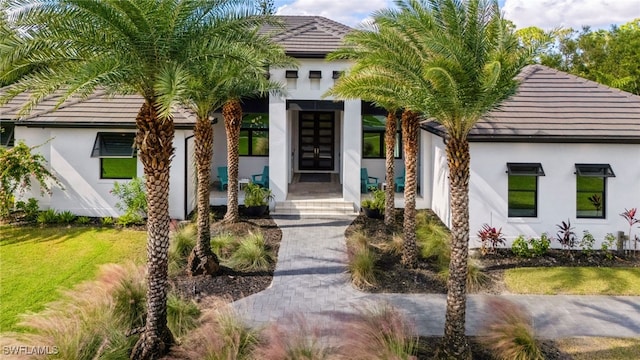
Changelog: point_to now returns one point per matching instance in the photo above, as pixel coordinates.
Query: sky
(546, 14)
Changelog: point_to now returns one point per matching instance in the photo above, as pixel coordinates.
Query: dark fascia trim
(90, 125)
(307, 55)
(427, 126)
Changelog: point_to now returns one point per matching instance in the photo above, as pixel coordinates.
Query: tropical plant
(49, 216)
(607, 245)
(490, 238)
(565, 235)
(30, 208)
(596, 201)
(255, 195)
(18, 166)
(587, 242)
(83, 220)
(106, 221)
(66, 217)
(540, 246)
(126, 46)
(630, 216)
(376, 201)
(520, 247)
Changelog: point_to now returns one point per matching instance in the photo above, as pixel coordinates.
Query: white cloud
(343, 11)
(549, 14)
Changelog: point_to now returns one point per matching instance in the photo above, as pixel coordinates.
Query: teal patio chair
(399, 181)
(223, 176)
(262, 179)
(367, 183)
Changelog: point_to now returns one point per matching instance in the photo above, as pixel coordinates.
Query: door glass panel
(316, 141)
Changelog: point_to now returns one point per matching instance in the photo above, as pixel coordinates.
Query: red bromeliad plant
(490, 238)
(630, 216)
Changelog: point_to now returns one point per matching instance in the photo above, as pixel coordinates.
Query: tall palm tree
(469, 59)
(77, 46)
(382, 75)
(204, 86)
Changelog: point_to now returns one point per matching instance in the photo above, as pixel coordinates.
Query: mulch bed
(427, 348)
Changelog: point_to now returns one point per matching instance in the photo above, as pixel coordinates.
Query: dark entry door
(316, 141)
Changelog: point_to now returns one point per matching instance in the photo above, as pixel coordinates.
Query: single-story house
(561, 148)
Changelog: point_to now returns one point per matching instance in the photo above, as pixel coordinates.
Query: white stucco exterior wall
(351, 151)
(85, 194)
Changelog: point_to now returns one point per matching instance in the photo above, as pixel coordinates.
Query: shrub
(132, 198)
(540, 246)
(376, 201)
(508, 333)
(106, 221)
(83, 220)
(299, 341)
(252, 254)
(66, 217)
(222, 335)
(380, 332)
(30, 208)
(49, 216)
(180, 245)
(587, 242)
(129, 219)
(181, 315)
(362, 266)
(520, 247)
(608, 244)
(565, 235)
(490, 238)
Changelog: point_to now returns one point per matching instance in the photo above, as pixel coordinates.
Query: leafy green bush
(540, 246)
(132, 199)
(587, 242)
(83, 220)
(508, 333)
(376, 201)
(49, 216)
(520, 247)
(30, 208)
(106, 221)
(66, 217)
(255, 195)
(608, 244)
(130, 218)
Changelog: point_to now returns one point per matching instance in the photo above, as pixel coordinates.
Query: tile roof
(307, 36)
(554, 106)
(99, 109)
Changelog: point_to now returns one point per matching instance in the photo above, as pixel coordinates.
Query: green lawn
(36, 262)
(596, 348)
(573, 281)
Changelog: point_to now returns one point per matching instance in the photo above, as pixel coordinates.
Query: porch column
(351, 151)
(279, 138)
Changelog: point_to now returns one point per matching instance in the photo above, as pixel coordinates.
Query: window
(254, 135)
(117, 155)
(373, 146)
(591, 190)
(6, 134)
(523, 189)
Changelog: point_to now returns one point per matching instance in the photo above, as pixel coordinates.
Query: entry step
(314, 207)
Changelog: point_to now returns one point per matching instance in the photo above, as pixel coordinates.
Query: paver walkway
(310, 280)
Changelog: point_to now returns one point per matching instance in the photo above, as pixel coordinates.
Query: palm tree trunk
(202, 260)
(390, 143)
(232, 114)
(455, 343)
(154, 141)
(410, 128)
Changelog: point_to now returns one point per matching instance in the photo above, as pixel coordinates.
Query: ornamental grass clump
(294, 340)
(180, 245)
(508, 333)
(379, 332)
(252, 254)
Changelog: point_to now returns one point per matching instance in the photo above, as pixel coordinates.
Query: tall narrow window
(373, 145)
(523, 189)
(591, 190)
(117, 155)
(254, 135)
(6, 134)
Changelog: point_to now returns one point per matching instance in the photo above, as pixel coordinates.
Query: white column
(351, 151)
(279, 162)
(426, 176)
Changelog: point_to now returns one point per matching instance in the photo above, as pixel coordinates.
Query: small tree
(18, 167)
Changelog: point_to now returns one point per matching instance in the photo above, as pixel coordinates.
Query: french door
(316, 141)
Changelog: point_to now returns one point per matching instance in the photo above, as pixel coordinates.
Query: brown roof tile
(551, 105)
(307, 36)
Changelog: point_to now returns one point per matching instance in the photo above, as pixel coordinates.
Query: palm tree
(77, 46)
(469, 59)
(205, 86)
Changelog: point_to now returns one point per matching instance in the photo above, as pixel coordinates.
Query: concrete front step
(314, 207)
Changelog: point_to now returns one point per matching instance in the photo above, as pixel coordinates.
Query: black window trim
(250, 131)
(10, 139)
(97, 150)
(382, 132)
(583, 170)
(524, 169)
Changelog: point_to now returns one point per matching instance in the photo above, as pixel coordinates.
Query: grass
(597, 348)
(573, 281)
(118, 168)
(36, 263)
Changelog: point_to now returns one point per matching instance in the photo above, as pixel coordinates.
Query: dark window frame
(117, 150)
(529, 170)
(381, 134)
(602, 171)
(10, 129)
(250, 131)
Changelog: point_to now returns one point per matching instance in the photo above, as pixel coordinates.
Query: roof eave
(91, 125)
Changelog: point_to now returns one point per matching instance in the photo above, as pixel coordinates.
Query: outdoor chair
(399, 181)
(223, 176)
(262, 179)
(367, 183)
